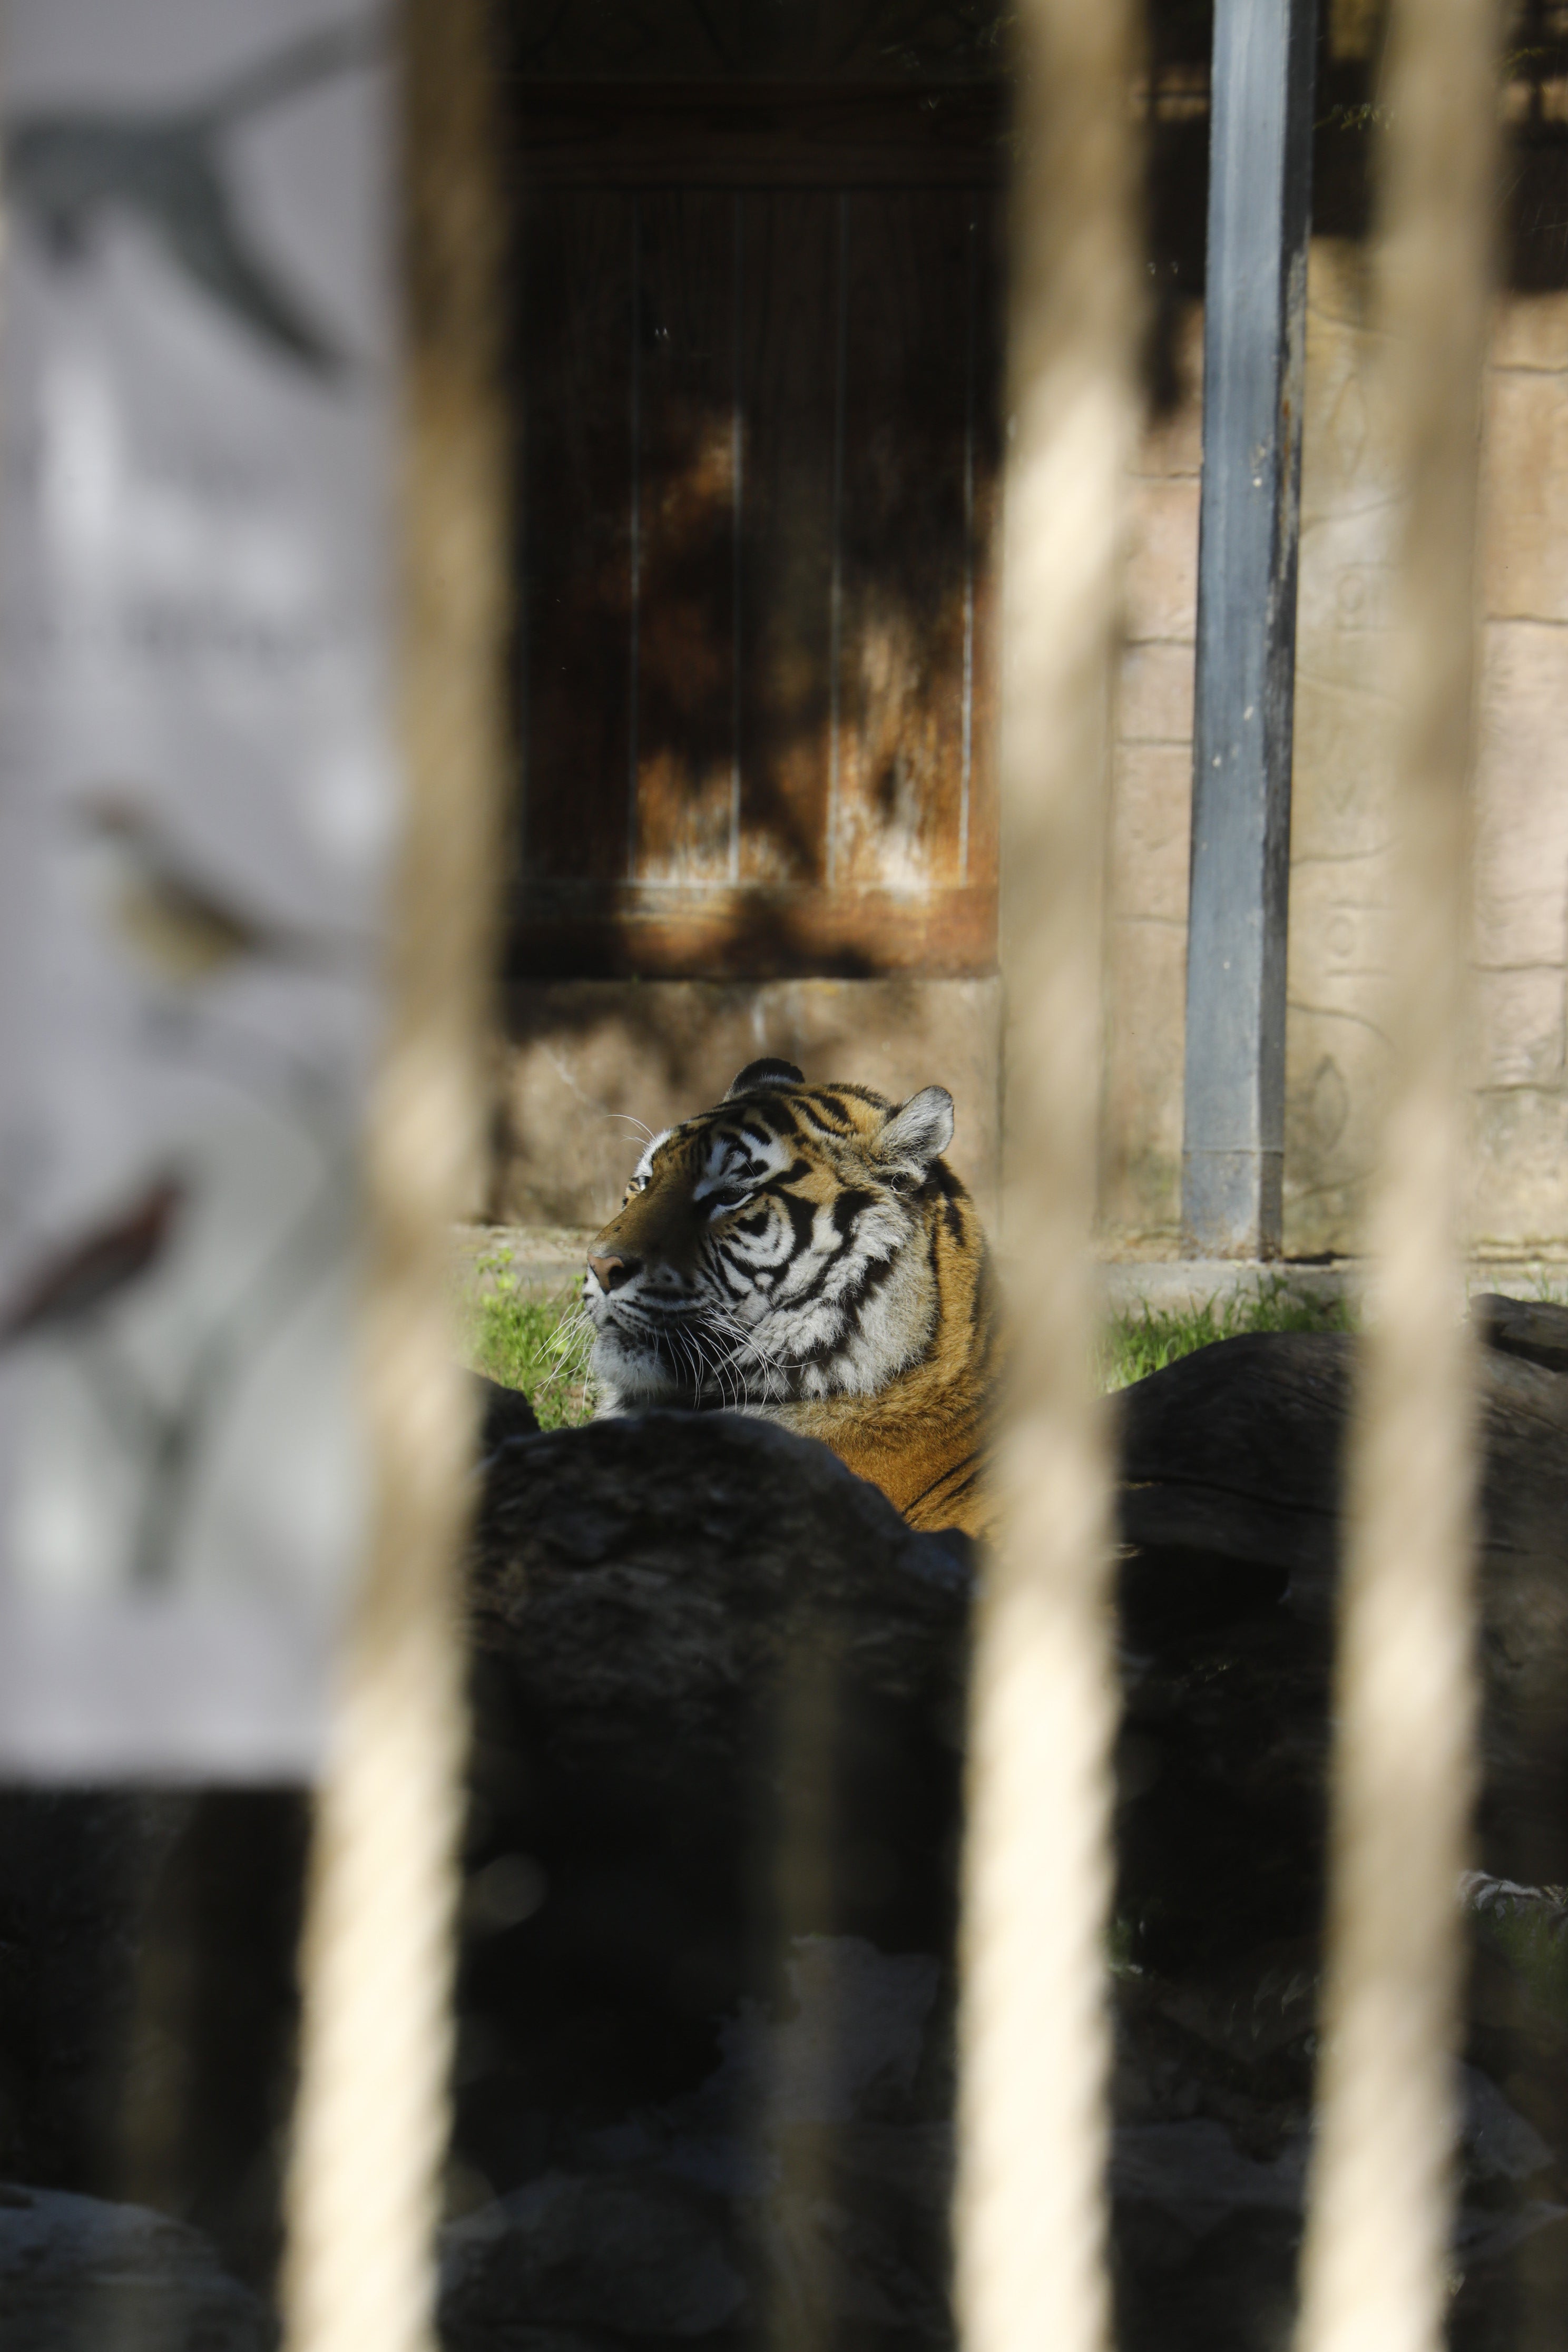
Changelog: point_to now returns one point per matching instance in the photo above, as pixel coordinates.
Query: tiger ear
(765, 1074)
(917, 1132)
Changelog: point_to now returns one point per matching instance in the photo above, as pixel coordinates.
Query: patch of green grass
(538, 1345)
(1531, 1939)
(1137, 1344)
(541, 1345)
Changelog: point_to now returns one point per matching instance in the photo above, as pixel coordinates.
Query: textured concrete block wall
(1336, 1052)
(589, 1068)
(1146, 883)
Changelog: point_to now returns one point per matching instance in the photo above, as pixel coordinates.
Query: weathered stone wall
(584, 1058)
(1522, 849)
(589, 1067)
(1146, 883)
(1336, 1052)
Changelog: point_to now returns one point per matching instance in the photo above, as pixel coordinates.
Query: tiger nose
(612, 1271)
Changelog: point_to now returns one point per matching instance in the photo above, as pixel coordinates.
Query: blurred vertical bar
(371, 2121)
(1254, 335)
(1376, 2258)
(1034, 2048)
(197, 789)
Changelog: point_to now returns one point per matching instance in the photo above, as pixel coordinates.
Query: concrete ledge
(1175, 1286)
(544, 1260)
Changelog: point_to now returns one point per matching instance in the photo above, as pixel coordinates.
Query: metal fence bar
(1254, 335)
(1030, 2214)
(1376, 2253)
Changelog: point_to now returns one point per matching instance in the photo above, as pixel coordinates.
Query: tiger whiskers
(695, 1361)
(643, 1130)
(677, 1343)
(707, 1351)
(725, 1363)
(572, 1339)
(730, 1389)
(745, 1350)
(570, 1347)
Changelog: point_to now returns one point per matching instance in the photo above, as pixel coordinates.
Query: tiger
(805, 1254)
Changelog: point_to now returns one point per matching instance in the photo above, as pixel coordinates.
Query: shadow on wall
(757, 485)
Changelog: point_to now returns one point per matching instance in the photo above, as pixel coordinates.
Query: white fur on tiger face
(771, 1250)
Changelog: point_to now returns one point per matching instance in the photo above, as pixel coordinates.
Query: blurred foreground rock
(704, 2080)
(78, 2272)
(718, 1690)
(1231, 1466)
(699, 1642)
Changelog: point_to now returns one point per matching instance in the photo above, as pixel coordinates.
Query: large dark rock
(704, 2080)
(1231, 1466)
(504, 1413)
(719, 1692)
(698, 1641)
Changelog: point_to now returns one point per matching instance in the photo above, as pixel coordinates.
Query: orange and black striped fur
(806, 1255)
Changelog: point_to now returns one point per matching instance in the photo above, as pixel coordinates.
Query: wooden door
(759, 349)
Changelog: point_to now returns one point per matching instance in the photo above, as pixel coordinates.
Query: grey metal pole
(1260, 155)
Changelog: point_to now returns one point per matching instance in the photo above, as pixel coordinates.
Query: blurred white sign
(197, 798)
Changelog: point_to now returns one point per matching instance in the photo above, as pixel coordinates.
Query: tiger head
(776, 1249)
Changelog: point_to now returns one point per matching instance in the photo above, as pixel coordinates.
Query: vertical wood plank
(789, 338)
(970, 551)
(739, 492)
(986, 320)
(835, 578)
(901, 686)
(576, 596)
(741, 453)
(687, 476)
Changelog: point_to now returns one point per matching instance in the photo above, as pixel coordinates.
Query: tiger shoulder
(806, 1255)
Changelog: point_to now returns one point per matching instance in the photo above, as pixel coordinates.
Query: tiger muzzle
(610, 1273)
